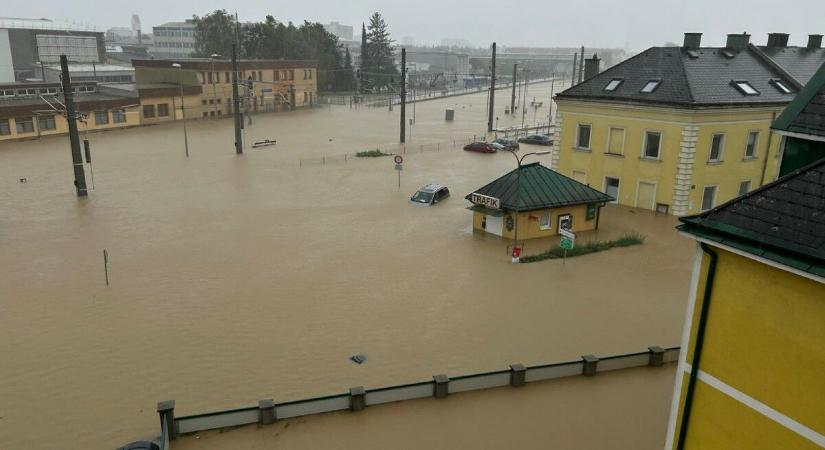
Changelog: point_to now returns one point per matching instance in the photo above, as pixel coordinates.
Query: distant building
(26, 113)
(407, 41)
(342, 31)
(174, 40)
(802, 126)
(680, 130)
(752, 364)
(438, 60)
(458, 43)
(102, 73)
(276, 85)
(25, 44)
(535, 202)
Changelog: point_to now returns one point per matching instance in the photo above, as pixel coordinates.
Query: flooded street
(237, 278)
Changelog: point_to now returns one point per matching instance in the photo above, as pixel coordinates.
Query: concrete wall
(764, 340)
(683, 169)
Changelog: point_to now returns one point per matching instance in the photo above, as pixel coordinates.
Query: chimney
(738, 42)
(591, 67)
(814, 41)
(778, 39)
(692, 41)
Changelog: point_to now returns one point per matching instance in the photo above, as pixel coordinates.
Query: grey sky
(634, 24)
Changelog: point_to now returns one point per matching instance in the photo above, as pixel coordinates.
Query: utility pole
(573, 80)
(74, 138)
(403, 93)
(236, 102)
(492, 91)
(581, 66)
(524, 99)
(513, 96)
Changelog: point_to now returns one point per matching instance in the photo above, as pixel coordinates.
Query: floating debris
(358, 359)
(23, 180)
(264, 143)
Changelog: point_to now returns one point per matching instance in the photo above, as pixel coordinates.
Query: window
(203, 77)
(6, 92)
(615, 141)
(305, 97)
(583, 136)
(253, 76)
(291, 74)
(5, 129)
(745, 87)
(614, 84)
(283, 75)
(119, 116)
(662, 208)
(24, 125)
(163, 110)
(310, 74)
(305, 74)
(218, 101)
(276, 76)
(717, 144)
(611, 188)
(260, 75)
(148, 111)
(203, 102)
(781, 86)
(653, 144)
(544, 221)
(101, 117)
(651, 86)
(708, 197)
(205, 114)
(750, 149)
(209, 77)
(744, 187)
(211, 101)
(46, 123)
(566, 222)
(227, 77)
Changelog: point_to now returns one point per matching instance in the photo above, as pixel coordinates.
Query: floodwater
(572, 414)
(237, 278)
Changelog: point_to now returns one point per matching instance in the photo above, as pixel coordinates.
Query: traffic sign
(398, 159)
(567, 233)
(567, 243)
(399, 167)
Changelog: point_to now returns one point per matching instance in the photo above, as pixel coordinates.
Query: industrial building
(28, 44)
(344, 32)
(174, 39)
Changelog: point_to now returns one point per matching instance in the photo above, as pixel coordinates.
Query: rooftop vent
(814, 41)
(778, 39)
(738, 42)
(692, 41)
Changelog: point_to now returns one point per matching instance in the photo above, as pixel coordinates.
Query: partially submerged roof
(533, 186)
(705, 76)
(806, 113)
(783, 221)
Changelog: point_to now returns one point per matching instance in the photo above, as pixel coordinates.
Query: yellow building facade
(752, 369)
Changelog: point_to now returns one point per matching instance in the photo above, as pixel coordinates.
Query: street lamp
(518, 183)
(214, 88)
(182, 108)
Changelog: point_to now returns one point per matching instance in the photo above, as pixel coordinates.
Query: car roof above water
(432, 187)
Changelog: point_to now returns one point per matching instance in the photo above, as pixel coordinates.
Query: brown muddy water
(240, 278)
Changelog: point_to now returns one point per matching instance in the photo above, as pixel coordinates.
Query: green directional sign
(566, 243)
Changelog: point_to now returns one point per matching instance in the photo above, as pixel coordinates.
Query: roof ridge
(774, 65)
(685, 75)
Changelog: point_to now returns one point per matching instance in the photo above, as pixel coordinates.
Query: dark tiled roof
(783, 221)
(806, 113)
(700, 77)
(538, 187)
(800, 62)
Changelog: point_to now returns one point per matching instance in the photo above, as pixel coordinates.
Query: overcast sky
(632, 24)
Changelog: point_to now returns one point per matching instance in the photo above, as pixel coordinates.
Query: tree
(347, 81)
(379, 68)
(214, 33)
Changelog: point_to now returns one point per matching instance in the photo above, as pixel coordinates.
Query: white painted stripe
(769, 262)
(759, 407)
(677, 391)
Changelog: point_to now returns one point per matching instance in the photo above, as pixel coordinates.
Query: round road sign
(398, 159)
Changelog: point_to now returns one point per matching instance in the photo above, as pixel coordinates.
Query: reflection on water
(240, 278)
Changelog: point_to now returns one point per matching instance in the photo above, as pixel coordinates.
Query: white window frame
(618, 190)
(654, 85)
(644, 145)
(721, 156)
(549, 224)
(713, 200)
(745, 87)
(589, 136)
(618, 82)
(742, 183)
(755, 144)
(624, 139)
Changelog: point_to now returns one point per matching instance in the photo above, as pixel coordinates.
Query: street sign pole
(398, 168)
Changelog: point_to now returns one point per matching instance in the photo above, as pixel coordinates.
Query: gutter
(700, 341)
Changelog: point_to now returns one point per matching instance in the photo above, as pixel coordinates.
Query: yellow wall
(529, 229)
(765, 338)
(62, 127)
(683, 164)
(192, 108)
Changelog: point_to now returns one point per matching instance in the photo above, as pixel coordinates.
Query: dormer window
(744, 87)
(781, 86)
(651, 86)
(614, 84)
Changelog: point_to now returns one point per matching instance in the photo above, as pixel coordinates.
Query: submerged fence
(440, 386)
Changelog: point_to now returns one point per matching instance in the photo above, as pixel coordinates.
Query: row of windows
(175, 44)
(254, 75)
(159, 110)
(742, 86)
(652, 143)
(30, 92)
(162, 33)
(25, 125)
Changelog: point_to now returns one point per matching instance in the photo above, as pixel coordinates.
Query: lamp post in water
(518, 185)
(182, 109)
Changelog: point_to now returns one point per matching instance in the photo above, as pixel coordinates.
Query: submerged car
(505, 144)
(430, 194)
(480, 147)
(537, 139)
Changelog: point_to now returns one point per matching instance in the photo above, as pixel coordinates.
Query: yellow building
(34, 110)
(533, 201)
(752, 368)
(682, 129)
(264, 85)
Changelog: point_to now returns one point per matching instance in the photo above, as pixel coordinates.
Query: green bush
(585, 248)
(371, 154)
